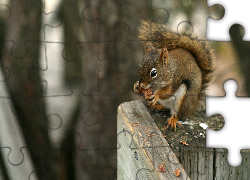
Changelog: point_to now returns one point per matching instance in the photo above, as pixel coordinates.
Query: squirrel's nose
(143, 85)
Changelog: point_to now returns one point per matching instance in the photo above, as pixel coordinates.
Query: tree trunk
(110, 52)
(20, 64)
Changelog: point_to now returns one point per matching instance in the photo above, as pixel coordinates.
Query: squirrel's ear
(149, 46)
(164, 55)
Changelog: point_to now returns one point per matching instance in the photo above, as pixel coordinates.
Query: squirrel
(175, 71)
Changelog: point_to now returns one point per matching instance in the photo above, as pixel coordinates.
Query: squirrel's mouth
(147, 87)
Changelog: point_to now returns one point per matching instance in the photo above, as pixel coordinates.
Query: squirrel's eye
(153, 73)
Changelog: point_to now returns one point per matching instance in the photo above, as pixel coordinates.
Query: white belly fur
(173, 103)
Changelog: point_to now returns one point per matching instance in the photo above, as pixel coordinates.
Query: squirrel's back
(160, 36)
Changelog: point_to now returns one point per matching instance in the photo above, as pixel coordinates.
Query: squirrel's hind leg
(176, 106)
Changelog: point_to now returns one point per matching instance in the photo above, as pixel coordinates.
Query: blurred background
(65, 66)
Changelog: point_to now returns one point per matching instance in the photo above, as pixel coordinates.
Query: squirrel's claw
(152, 99)
(172, 123)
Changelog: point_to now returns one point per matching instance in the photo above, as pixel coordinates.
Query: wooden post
(142, 149)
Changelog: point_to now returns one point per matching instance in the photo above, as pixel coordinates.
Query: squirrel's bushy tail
(160, 36)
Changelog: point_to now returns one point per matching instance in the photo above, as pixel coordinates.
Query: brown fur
(161, 37)
(181, 68)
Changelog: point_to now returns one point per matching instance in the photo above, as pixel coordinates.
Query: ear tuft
(149, 47)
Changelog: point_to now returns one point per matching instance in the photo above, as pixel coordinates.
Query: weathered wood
(142, 147)
(224, 171)
(139, 160)
(198, 162)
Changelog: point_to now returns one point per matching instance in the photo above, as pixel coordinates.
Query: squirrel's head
(153, 68)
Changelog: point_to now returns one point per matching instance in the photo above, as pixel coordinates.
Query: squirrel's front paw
(151, 99)
(157, 108)
(137, 88)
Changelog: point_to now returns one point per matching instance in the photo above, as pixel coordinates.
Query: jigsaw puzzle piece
(194, 12)
(242, 49)
(96, 16)
(231, 62)
(91, 128)
(18, 163)
(18, 25)
(93, 166)
(128, 152)
(63, 106)
(16, 156)
(52, 71)
(198, 161)
(94, 154)
(21, 50)
(225, 138)
(56, 65)
(40, 125)
(51, 19)
(93, 124)
(21, 46)
(92, 82)
(18, 69)
(235, 13)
